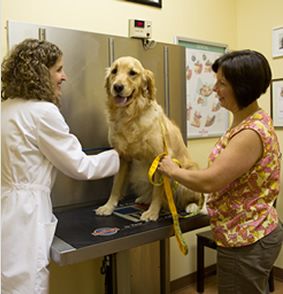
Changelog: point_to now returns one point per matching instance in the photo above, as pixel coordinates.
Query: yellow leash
(164, 180)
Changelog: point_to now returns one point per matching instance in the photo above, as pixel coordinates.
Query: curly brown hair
(25, 71)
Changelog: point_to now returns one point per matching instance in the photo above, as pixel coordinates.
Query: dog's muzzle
(119, 97)
(118, 88)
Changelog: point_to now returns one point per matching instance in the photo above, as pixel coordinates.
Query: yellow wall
(238, 23)
(196, 18)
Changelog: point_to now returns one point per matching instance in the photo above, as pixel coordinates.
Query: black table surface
(76, 225)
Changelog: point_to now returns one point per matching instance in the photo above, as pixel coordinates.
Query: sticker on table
(105, 231)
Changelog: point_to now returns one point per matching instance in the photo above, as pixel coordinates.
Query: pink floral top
(243, 211)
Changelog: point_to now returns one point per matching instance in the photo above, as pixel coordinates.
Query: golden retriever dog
(138, 128)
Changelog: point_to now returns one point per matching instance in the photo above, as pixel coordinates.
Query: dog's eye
(114, 71)
(132, 73)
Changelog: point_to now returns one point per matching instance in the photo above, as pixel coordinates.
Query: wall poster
(276, 93)
(205, 116)
(277, 42)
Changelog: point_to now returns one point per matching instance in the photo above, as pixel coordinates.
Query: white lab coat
(35, 140)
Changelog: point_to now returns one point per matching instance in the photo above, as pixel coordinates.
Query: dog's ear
(106, 80)
(149, 89)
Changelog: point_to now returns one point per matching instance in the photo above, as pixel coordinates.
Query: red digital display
(139, 24)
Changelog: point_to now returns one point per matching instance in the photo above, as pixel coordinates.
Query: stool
(206, 239)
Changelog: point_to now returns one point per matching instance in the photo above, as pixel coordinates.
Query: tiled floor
(210, 287)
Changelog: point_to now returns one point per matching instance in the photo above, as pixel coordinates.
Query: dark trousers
(245, 270)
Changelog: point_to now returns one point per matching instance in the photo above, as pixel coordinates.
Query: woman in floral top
(242, 178)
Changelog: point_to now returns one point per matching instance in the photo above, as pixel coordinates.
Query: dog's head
(126, 80)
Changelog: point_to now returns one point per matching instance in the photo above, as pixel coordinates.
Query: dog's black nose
(118, 88)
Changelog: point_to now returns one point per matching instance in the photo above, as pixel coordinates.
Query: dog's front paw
(105, 209)
(192, 208)
(149, 215)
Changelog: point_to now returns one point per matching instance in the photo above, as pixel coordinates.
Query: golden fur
(135, 121)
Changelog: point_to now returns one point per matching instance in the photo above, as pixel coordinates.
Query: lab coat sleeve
(64, 150)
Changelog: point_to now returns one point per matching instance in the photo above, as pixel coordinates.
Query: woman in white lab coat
(35, 141)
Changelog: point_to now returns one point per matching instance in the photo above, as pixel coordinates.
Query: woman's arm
(64, 150)
(242, 152)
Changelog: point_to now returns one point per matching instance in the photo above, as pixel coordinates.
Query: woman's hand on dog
(167, 166)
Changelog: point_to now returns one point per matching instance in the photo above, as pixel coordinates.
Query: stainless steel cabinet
(86, 57)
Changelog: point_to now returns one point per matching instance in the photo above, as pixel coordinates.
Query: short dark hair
(25, 71)
(247, 71)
